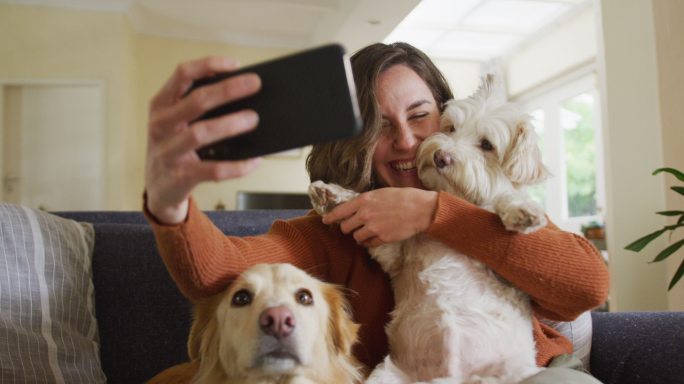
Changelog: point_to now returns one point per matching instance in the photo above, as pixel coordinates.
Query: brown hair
(349, 162)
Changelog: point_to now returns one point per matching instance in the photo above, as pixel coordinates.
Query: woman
(400, 94)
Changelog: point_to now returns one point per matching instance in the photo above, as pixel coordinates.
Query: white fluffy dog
(455, 320)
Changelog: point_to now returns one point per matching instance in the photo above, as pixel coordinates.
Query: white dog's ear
(523, 161)
(452, 117)
(491, 90)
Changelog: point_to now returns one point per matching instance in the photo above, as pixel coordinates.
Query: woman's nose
(404, 138)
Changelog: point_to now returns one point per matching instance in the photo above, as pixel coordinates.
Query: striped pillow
(579, 332)
(48, 330)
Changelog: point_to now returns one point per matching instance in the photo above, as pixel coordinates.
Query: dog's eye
(452, 128)
(304, 297)
(486, 145)
(241, 298)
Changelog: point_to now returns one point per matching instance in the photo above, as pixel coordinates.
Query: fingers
(220, 170)
(186, 73)
(209, 131)
(217, 171)
(342, 211)
(202, 100)
(373, 242)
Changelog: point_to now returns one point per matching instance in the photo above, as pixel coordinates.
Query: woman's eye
(419, 115)
(241, 298)
(486, 145)
(304, 297)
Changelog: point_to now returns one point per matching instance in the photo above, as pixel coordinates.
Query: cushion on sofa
(579, 332)
(48, 329)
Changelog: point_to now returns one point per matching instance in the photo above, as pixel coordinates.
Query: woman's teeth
(404, 166)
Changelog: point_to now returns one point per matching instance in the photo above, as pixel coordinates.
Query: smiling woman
(409, 115)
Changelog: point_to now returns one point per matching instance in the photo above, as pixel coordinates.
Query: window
(567, 122)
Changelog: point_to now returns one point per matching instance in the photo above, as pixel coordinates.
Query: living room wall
(643, 89)
(47, 44)
(51, 44)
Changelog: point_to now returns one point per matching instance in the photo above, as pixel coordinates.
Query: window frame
(550, 101)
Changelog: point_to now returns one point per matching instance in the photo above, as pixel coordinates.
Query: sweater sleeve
(562, 272)
(202, 260)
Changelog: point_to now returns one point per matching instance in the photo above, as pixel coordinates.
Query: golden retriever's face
(274, 321)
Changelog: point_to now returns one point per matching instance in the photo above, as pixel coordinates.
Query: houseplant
(639, 244)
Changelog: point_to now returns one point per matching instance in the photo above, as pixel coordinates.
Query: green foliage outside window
(580, 156)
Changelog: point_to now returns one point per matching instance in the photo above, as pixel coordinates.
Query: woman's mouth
(403, 165)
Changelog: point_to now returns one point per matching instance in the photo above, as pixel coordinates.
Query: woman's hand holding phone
(173, 168)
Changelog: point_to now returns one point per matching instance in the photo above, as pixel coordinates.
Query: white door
(53, 147)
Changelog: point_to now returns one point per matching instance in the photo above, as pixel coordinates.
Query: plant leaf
(677, 275)
(678, 189)
(639, 244)
(679, 175)
(670, 213)
(665, 253)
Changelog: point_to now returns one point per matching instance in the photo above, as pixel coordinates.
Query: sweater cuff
(192, 211)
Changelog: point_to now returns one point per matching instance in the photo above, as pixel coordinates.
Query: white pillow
(48, 330)
(579, 332)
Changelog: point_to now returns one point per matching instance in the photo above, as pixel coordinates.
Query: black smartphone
(305, 98)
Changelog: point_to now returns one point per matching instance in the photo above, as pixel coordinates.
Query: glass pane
(538, 192)
(577, 121)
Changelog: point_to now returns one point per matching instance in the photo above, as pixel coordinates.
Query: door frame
(27, 82)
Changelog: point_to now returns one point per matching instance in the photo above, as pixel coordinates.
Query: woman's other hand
(173, 168)
(385, 215)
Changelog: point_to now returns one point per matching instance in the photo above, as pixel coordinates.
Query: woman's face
(409, 115)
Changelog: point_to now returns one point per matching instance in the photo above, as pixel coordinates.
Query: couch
(143, 320)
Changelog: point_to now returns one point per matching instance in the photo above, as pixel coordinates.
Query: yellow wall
(43, 43)
(643, 91)
(559, 51)
(38, 43)
(669, 33)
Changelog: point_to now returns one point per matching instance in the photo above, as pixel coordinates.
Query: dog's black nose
(278, 322)
(442, 159)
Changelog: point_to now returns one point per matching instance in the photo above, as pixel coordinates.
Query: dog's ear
(452, 117)
(203, 314)
(343, 331)
(523, 161)
(491, 90)
(204, 339)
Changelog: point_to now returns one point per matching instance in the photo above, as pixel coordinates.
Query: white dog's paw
(324, 197)
(525, 217)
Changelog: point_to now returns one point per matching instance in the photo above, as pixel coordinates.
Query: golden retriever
(274, 324)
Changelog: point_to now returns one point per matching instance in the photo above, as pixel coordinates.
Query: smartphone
(305, 98)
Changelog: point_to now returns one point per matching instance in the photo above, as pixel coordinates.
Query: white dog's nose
(278, 322)
(442, 159)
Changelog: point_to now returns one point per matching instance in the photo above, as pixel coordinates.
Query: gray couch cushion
(638, 347)
(48, 329)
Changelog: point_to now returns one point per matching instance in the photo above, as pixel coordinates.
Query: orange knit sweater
(562, 272)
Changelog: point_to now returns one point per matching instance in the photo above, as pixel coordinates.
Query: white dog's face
(274, 321)
(487, 148)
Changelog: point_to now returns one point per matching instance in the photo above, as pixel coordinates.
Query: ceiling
(458, 29)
